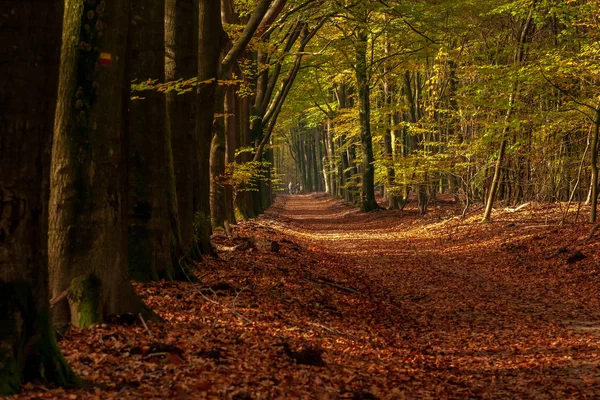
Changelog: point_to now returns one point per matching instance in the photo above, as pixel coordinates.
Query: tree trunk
(330, 150)
(594, 180)
(244, 202)
(367, 191)
(232, 132)
(28, 349)
(518, 58)
(217, 164)
(181, 63)
(150, 236)
(209, 49)
(88, 199)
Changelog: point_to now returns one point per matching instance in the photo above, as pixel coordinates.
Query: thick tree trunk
(210, 35)
(150, 236)
(225, 141)
(28, 350)
(181, 63)
(88, 200)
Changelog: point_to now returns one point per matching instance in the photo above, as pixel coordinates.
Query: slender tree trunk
(28, 349)
(244, 200)
(594, 180)
(367, 191)
(181, 63)
(232, 131)
(330, 154)
(217, 164)
(87, 242)
(518, 58)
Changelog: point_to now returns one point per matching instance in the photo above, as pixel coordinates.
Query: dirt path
(487, 313)
(316, 301)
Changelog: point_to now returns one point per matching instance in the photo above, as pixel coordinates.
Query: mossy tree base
(28, 349)
(85, 299)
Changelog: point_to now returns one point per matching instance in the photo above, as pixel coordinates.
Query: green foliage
(453, 66)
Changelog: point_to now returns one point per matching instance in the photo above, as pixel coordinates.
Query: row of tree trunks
(28, 349)
(108, 195)
(88, 202)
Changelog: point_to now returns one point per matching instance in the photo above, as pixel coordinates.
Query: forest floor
(315, 300)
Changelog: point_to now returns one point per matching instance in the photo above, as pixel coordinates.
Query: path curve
(462, 304)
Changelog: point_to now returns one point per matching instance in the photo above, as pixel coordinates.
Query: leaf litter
(315, 300)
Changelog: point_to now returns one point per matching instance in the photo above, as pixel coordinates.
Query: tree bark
(232, 132)
(88, 199)
(30, 41)
(210, 36)
(518, 58)
(367, 191)
(150, 236)
(218, 205)
(594, 161)
(181, 63)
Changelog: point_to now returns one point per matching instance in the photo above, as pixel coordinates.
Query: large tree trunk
(29, 71)
(210, 36)
(220, 150)
(149, 231)
(181, 63)
(88, 199)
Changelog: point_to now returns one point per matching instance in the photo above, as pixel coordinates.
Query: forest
(298, 199)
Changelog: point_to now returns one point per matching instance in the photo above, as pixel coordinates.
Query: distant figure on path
(297, 188)
(290, 188)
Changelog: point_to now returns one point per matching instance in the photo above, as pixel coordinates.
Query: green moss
(85, 294)
(28, 348)
(47, 363)
(240, 215)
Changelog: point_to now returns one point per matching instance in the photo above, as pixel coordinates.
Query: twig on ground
(145, 325)
(159, 354)
(335, 285)
(592, 231)
(516, 209)
(236, 297)
(335, 331)
(224, 307)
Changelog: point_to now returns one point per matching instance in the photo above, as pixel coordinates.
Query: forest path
(314, 300)
(480, 301)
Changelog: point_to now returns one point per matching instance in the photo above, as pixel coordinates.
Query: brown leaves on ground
(345, 305)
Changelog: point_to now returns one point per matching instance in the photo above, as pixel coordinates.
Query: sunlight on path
(473, 305)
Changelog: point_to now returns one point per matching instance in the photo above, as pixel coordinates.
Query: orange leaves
(437, 309)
